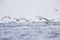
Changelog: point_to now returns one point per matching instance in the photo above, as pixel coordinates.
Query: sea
(30, 31)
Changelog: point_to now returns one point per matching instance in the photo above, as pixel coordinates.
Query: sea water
(30, 31)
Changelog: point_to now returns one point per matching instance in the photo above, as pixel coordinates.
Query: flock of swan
(25, 19)
(14, 19)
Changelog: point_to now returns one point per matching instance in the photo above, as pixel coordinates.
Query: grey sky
(30, 8)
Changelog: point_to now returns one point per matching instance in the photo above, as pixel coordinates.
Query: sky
(30, 8)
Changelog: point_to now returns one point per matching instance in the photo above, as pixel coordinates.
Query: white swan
(16, 19)
(6, 17)
(25, 19)
(47, 20)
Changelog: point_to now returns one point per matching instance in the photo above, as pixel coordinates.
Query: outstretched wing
(40, 17)
(6, 17)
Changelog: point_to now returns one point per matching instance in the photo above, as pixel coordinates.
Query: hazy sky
(30, 8)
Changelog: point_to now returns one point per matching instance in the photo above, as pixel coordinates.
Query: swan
(25, 19)
(21, 19)
(6, 17)
(47, 20)
(16, 19)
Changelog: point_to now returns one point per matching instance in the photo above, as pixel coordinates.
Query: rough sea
(30, 31)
